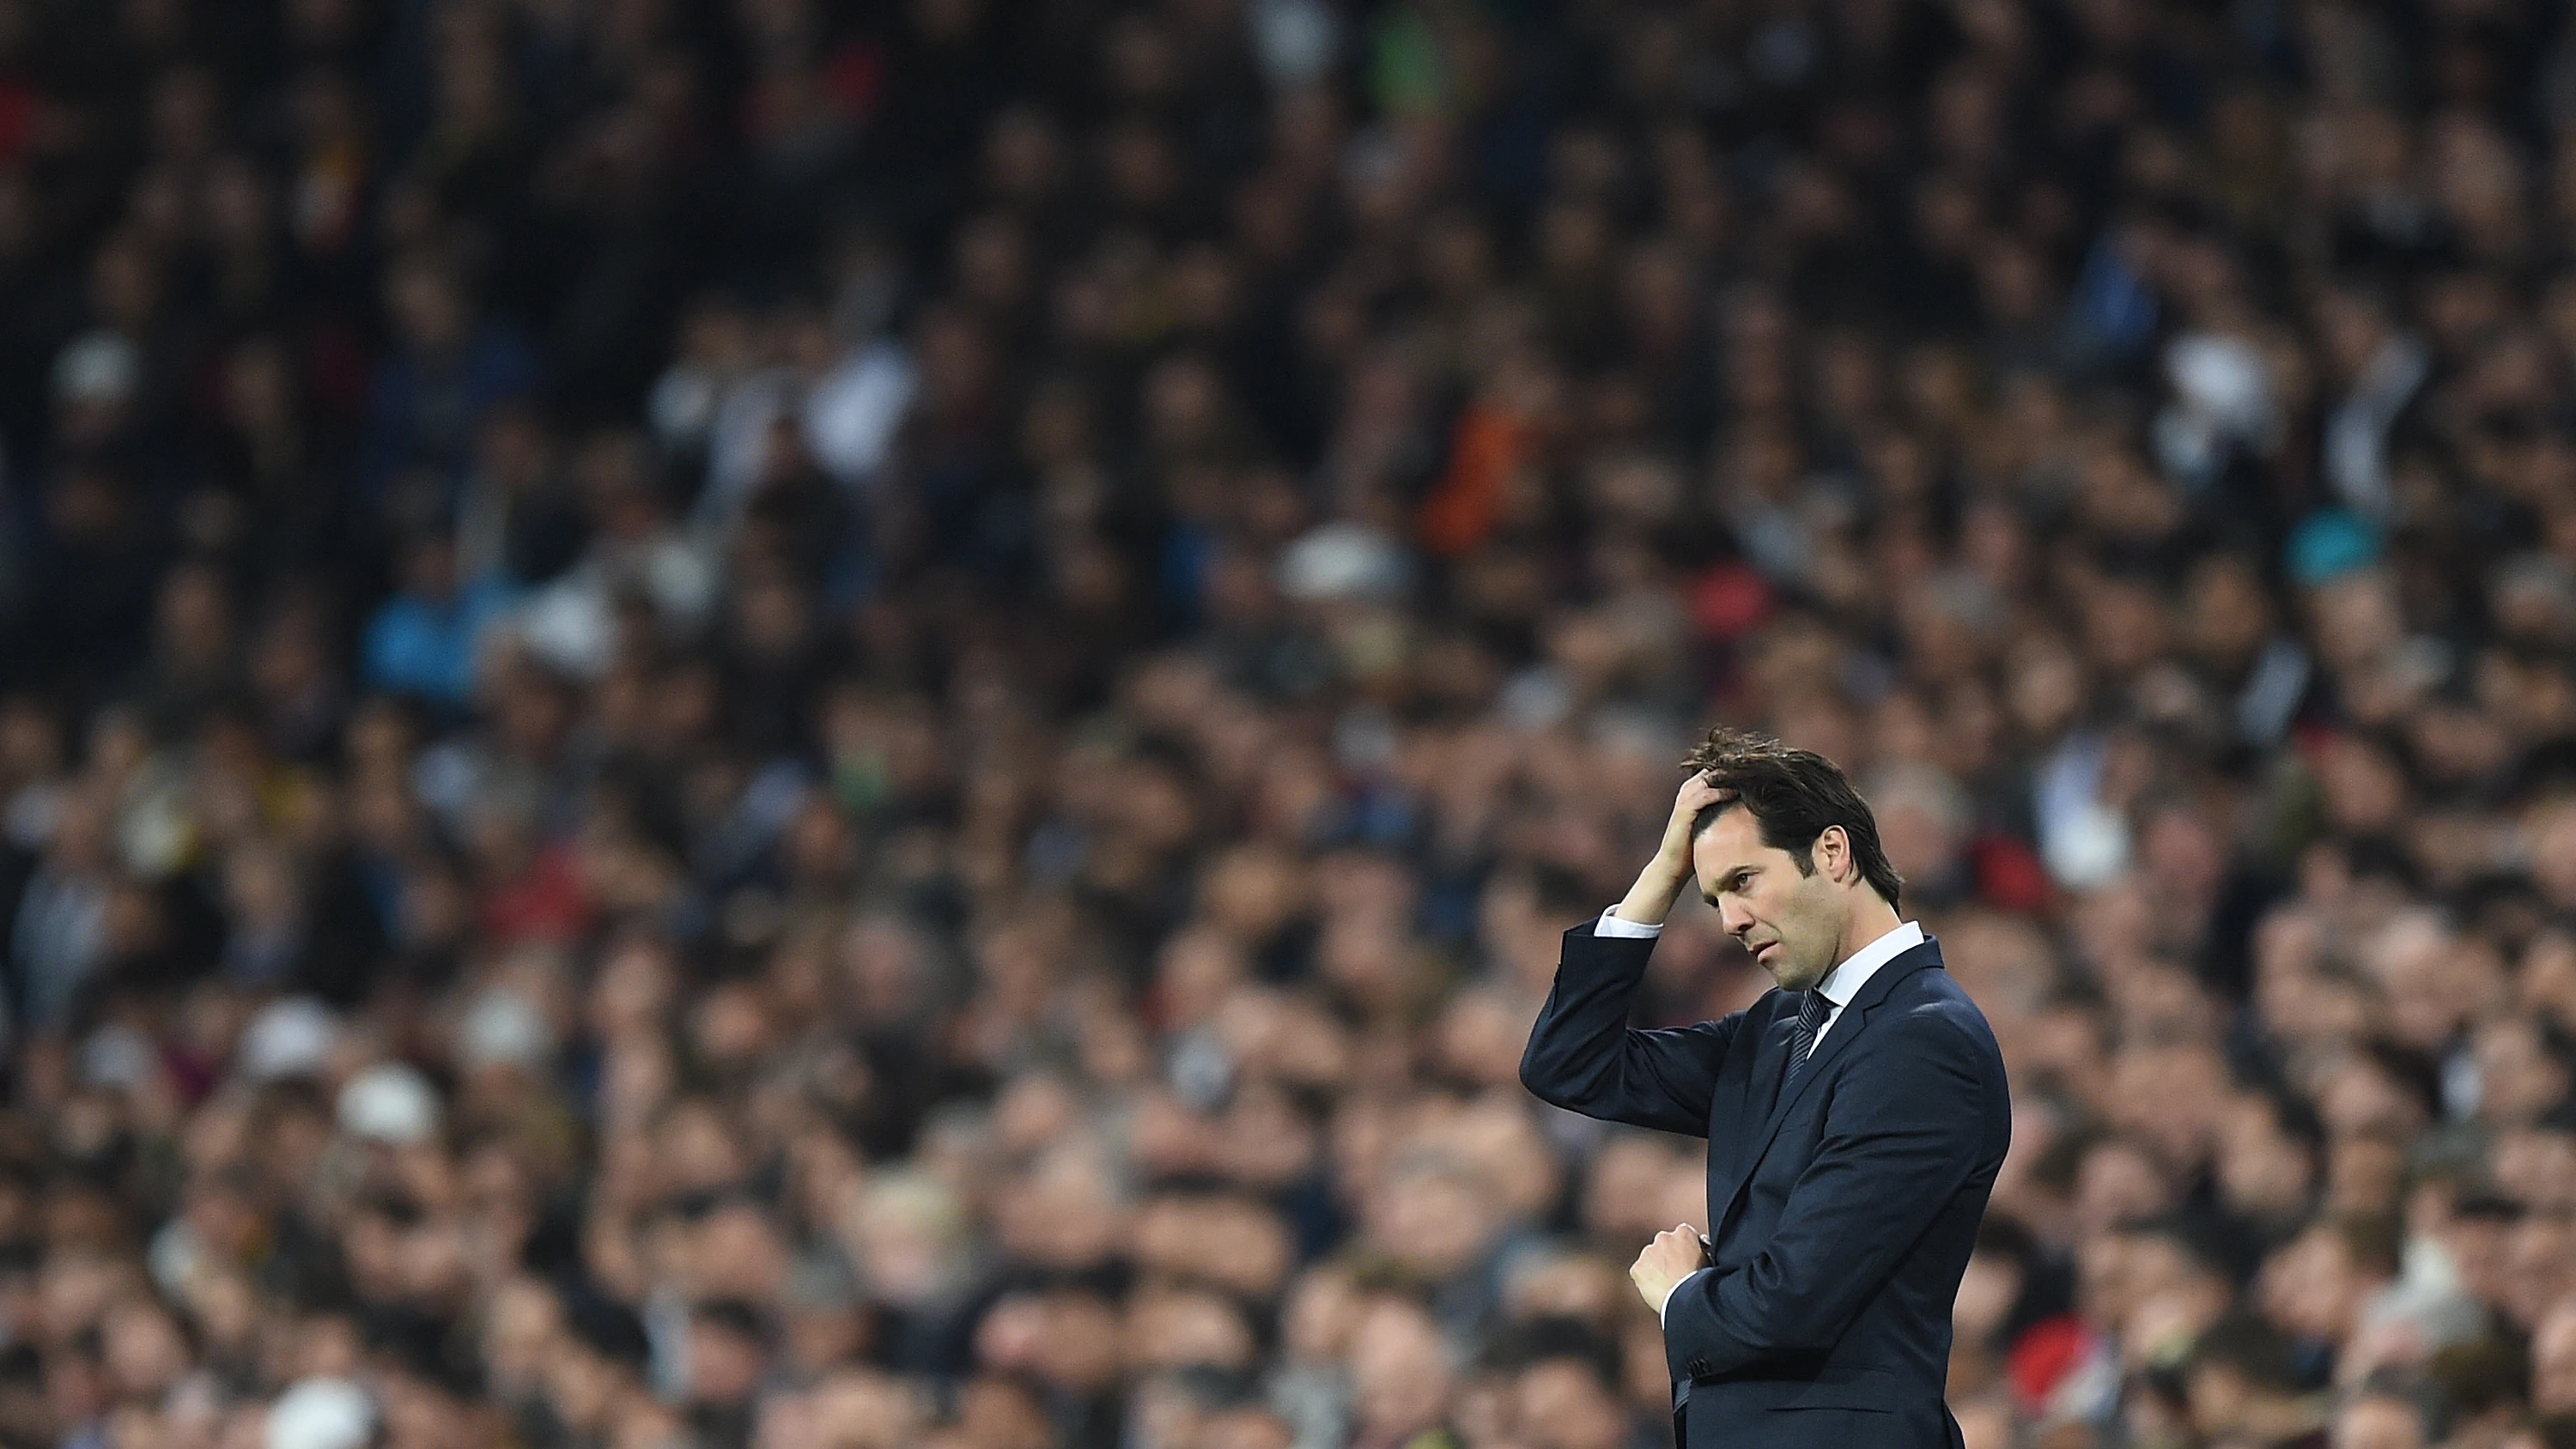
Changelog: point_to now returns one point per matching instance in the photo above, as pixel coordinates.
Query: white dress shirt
(1839, 986)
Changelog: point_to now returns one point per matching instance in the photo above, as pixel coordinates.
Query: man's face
(1790, 920)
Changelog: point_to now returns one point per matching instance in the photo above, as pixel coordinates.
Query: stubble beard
(1801, 975)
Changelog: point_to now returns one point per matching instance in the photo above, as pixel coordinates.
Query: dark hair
(1555, 1338)
(2480, 1374)
(2373, 1242)
(2298, 1120)
(2202, 1251)
(2253, 1348)
(2412, 1072)
(738, 1317)
(1794, 796)
(2422, 1400)
(2002, 1237)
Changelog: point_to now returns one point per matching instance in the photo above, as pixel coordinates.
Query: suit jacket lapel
(1734, 1163)
(1773, 1063)
(1761, 1089)
(1855, 1017)
(1846, 1029)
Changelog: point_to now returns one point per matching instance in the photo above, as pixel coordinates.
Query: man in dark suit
(1855, 1117)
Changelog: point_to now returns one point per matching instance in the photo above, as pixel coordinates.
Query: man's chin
(1795, 978)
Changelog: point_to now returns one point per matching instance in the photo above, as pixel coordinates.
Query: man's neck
(1872, 918)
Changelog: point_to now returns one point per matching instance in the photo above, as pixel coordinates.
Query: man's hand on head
(1675, 1254)
(1664, 878)
(1695, 795)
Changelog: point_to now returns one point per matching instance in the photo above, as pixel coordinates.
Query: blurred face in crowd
(1400, 1371)
(2478, 1243)
(2518, 1077)
(2553, 1362)
(2547, 980)
(2119, 1181)
(1322, 1312)
(1793, 916)
(2314, 1287)
(2379, 1422)
(2540, 1266)
(1985, 1422)
(864, 1409)
(1987, 1292)
(2536, 1164)
(725, 1362)
(999, 1413)
(1564, 1404)
(2263, 1171)
(1251, 1427)
(1435, 1216)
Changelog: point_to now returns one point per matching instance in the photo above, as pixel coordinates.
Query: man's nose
(1733, 916)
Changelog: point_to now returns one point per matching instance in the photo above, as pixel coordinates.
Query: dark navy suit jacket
(1840, 1219)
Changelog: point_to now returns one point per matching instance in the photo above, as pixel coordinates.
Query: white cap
(97, 367)
(2225, 378)
(321, 1413)
(1345, 561)
(292, 1038)
(389, 1103)
(504, 1028)
(116, 1057)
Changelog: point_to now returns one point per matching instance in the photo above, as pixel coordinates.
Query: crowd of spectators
(800, 724)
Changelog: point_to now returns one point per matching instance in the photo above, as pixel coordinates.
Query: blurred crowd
(847, 724)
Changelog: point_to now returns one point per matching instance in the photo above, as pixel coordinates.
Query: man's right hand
(1675, 1254)
(1660, 883)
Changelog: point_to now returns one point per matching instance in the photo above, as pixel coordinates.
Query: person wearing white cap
(322, 1413)
(293, 1038)
(389, 1103)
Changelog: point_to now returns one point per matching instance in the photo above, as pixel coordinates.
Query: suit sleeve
(1902, 1134)
(1583, 1056)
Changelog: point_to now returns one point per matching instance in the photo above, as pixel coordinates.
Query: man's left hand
(1675, 1254)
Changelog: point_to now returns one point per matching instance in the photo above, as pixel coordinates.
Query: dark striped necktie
(1811, 1019)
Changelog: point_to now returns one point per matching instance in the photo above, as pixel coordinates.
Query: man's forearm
(1658, 886)
(1660, 883)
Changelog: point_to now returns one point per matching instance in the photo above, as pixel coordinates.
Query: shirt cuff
(1669, 1292)
(1611, 925)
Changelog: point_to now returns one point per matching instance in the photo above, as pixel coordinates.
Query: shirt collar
(1845, 981)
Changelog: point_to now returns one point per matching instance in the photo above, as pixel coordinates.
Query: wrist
(1674, 867)
(1664, 1300)
(1651, 898)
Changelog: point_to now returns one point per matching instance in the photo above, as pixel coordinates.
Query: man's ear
(1833, 853)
